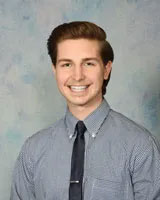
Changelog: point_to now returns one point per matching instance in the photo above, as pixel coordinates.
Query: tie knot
(81, 127)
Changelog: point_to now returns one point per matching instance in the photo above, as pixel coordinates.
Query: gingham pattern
(122, 160)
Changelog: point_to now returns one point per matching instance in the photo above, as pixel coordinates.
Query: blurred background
(29, 98)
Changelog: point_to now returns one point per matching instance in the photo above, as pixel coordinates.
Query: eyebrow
(64, 60)
(83, 60)
(92, 58)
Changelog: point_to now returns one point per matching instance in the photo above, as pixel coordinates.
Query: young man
(93, 152)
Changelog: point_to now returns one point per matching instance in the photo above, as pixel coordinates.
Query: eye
(87, 64)
(66, 65)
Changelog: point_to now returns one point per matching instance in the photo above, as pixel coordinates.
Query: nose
(78, 73)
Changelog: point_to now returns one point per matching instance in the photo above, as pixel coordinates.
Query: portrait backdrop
(29, 98)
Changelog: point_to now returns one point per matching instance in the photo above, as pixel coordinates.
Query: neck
(81, 112)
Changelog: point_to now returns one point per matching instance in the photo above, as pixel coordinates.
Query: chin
(80, 103)
(77, 103)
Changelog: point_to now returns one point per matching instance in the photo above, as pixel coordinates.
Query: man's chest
(106, 174)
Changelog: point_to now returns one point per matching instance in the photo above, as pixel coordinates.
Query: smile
(78, 88)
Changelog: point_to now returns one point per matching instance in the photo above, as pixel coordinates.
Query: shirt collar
(70, 122)
(92, 122)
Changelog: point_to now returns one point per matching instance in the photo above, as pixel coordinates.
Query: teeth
(78, 88)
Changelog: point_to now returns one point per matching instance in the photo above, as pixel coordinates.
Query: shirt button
(93, 135)
(70, 137)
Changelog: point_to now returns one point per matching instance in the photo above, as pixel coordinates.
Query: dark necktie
(77, 163)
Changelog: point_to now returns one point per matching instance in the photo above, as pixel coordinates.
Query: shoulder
(138, 142)
(46, 133)
(133, 136)
(39, 142)
(127, 127)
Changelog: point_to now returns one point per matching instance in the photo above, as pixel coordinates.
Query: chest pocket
(107, 190)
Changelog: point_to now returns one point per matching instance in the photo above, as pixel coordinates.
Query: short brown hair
(77, 30)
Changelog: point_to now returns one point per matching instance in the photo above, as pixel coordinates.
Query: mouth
(79, 88)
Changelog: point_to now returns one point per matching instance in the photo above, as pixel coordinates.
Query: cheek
(98, 77)
(61, 79)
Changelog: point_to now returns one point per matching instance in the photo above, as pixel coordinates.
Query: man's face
(80, 72)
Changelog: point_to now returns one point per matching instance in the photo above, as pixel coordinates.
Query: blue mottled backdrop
(29, 99)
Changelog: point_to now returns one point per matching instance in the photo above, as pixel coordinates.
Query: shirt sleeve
(22, 187)
(146, 172)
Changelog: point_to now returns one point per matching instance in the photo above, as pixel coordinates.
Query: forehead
(78, 48)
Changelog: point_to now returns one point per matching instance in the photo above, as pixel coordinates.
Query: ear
(107, 70)
(54, 69)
